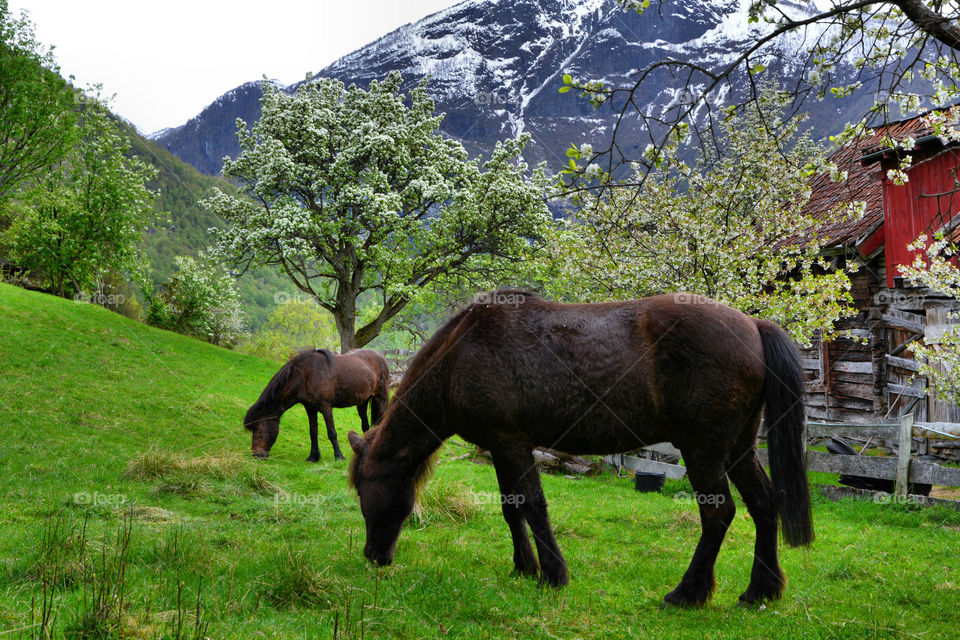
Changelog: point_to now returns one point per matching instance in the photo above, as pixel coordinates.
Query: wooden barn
(870, 375)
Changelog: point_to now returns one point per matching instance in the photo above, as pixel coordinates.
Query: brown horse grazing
(596, 379)
(320, 380)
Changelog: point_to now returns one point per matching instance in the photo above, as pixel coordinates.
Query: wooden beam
(935, 430)
(903, 390)
(888, 433)
(902, 363)
(876, 467)
(847, 366)
(837, 493)
(900, 320)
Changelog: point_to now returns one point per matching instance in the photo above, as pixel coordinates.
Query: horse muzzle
(261, 454)
(380, 558)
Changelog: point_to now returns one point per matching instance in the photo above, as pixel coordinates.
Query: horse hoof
(339, 456)
(750, 599)
(554, 582)
(675, 599)
(526, 572)
(312, 459)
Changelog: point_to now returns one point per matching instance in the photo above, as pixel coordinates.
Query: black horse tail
(785, 418)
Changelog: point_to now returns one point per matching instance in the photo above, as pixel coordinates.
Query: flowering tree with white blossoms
(731, 228)
(939, 357)
(353, 191)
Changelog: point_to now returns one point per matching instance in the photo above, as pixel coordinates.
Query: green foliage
(87, 215)
(200, 299)
(354, 191)
(37, 114)
(293, 325)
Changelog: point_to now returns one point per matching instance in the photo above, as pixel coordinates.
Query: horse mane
(277, 383)
(420, 476)
(326, 352)
(423, 361)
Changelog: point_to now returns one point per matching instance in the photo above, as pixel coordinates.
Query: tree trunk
(348, 340)
(345, 317)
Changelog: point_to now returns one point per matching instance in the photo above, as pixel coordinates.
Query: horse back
(600, 377)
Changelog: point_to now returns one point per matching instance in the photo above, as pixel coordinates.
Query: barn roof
(863, 182)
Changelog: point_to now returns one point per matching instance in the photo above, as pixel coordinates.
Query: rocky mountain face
(495, 67)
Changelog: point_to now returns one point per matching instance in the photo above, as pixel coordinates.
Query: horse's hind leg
(712, 493)
(331, 432)
(362, 410)
(378, 404)
(766, 578)
(524, 561)
(519, 470)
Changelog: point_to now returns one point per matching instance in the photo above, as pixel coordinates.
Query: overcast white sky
(167, 60)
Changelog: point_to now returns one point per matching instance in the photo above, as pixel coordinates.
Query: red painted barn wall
(923, 204)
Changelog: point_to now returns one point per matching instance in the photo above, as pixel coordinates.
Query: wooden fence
(397, 358)
(902, 469)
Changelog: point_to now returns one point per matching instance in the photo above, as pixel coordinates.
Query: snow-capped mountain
(495, 67)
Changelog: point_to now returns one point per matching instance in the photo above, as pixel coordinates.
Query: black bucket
(647, 482)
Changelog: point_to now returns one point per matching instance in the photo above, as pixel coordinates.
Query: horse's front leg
(520, 471)
(331, 432)
(362, 410)
(314, 445)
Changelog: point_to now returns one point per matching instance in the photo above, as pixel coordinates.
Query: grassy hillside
(107, 421)
(185, 232)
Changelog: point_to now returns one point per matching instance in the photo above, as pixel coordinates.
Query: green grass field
(111, 428)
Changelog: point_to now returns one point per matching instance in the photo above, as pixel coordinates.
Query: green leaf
(564, 89)
(567, 78)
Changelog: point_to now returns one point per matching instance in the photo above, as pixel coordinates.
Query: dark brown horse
(320, 380)
(596, 379)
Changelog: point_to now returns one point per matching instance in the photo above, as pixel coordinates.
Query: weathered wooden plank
(811, 363)
(813, 386)
(888, 433)
(903, 390)
(862, 391)
(646, 466)
(902, 363)
(867, 466)
(861, 406)
(846, 366)
(936, 430)
(875, 467)
(903, 320)
(837, 493)
(930, 473)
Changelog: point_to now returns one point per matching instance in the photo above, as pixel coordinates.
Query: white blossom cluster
(353, 190)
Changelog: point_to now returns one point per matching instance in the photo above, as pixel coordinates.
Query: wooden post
(903, 455)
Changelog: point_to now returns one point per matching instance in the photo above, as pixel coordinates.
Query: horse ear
(358, 443)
